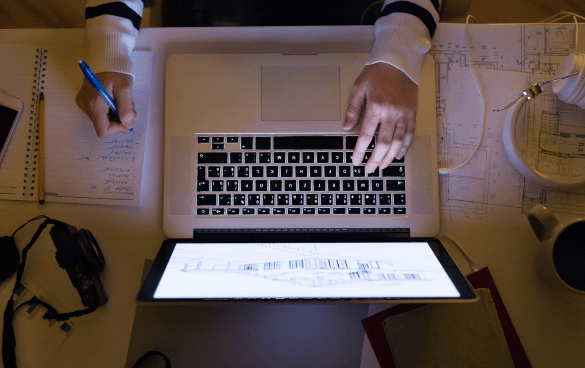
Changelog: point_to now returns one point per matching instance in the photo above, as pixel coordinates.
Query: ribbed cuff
(110, 52)
(401, 48)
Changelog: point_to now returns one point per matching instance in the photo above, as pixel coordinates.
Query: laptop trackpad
(300, 93)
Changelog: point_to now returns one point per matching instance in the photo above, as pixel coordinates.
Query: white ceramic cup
(560, 260)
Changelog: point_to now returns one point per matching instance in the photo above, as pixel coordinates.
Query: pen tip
(80, 61)
(42, 96)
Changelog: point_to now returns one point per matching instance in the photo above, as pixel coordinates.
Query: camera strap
(8, 337)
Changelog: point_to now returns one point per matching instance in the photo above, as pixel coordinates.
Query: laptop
(254, 142)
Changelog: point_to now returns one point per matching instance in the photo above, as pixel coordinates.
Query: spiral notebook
(79, 166)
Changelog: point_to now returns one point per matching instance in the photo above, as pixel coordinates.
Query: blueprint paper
(488, 189)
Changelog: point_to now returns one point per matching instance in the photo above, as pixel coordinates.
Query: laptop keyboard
(292, 175)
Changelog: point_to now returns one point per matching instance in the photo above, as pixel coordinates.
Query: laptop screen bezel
(151, 282)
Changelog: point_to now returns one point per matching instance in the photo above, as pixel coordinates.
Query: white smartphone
(10, 110)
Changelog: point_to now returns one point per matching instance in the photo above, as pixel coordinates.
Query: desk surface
(550, 323)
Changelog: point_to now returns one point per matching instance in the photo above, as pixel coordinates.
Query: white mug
(561, 257)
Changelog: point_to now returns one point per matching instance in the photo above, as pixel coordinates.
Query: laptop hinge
(403, 233)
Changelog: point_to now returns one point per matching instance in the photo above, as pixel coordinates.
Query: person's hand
(390, 99)
(93, 105)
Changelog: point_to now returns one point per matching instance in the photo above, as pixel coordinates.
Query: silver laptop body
(216, 102)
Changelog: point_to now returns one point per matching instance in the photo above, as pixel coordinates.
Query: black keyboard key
(247, 185)
(247, 143)
(334, 185)
(350, 141)
(304, 185)
(308, 211)
(308, 142)
(257, 171)
(217, 146)
(264, 157)
(239, 199)
(212, 158)
(294, 157)
(253, 199)
(243, 171)
(264, 211)
(286, 171)
(294, 211)
(225, 199)
(290, 185)
(312, 199)
(279, 157)
(330, 171)
(377, 185)
(359, 171)
(206, 199)
(327, 199)
(399, 211)
(393, 171)
(355, 199)
(341, 199)
(348, 157)
(344, 171)
(308, 157)
(201, 172)
(216, 139)
(363, 185)
(375, 174)
(250, 157)
(366, 157)
(315, 171)
(278, 211)
(339, 211)
(268, 199)
(399, 199)
(301, 171)
(217, 211)
(202, 139)
(262, 143)
(354, 211)
(395, 185)
(324, 211)
(217, 185)
(272, 171)
(348, 185)
(232, 139)
(232, 185)
(229, 171)
(275, 185)
(385, 199)
(337, 157)
(297, 199)
(282, 199)
(319, 185)
(322, 157)
(203, 186)
(213, 171)
(235, 157)
(384, 211)
(233, 211)
(203, 211)
(370, 199)
(247, 211)
(261, 185)
(369, 211)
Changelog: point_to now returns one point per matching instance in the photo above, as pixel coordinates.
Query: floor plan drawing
(488, 188)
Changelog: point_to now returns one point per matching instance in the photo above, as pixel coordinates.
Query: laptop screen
(370, 270)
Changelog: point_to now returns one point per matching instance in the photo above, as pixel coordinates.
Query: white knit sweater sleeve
(403, 39)
(110, 34)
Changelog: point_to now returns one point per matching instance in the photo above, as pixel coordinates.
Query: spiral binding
(32, 145)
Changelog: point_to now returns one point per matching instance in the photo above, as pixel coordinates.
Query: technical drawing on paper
(488, 189)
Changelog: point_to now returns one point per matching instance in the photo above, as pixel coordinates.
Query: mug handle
(542, 221)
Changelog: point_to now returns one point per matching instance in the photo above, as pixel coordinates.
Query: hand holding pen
(109, 115)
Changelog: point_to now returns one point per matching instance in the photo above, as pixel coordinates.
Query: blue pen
(95, 83)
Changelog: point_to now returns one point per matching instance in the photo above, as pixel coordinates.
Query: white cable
(448, 170)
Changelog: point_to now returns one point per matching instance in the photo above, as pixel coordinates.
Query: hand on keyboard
(390, 99)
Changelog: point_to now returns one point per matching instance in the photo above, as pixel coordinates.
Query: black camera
(80, 255)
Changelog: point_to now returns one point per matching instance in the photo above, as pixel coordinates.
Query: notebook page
(17, 79)
(79, 166)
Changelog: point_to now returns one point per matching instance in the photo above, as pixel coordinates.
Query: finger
(356, 103)
(125, 106)
(410, 125)
(382, 144)
(369, 125)
(397, 141)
